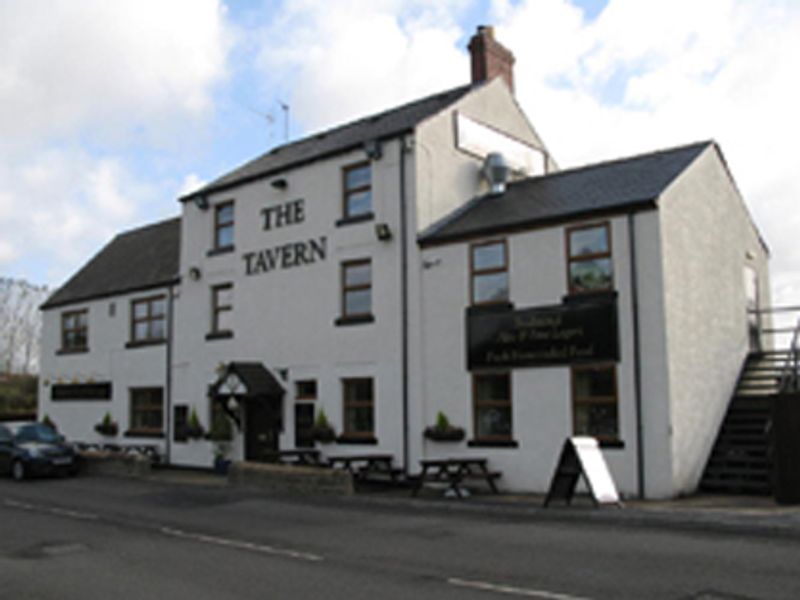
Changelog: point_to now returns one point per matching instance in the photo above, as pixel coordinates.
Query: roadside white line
(507, 589)
(61, 512)
(73, 514)
(208, 539)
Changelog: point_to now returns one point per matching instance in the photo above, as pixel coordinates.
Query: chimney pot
(490, 58)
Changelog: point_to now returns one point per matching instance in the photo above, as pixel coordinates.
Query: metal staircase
(741, 459)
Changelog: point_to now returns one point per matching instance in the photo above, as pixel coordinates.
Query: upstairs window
(223, 226)
(305, 389)
(489, 269)
(222, 310)
(149, 319)
(589, 266)
(75, 330)
(357, 289)
(357, 180)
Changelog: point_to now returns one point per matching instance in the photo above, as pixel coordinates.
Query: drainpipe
(168, 417)
(637, 362)
(404, 300)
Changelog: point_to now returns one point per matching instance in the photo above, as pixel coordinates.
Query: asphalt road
(110, 538)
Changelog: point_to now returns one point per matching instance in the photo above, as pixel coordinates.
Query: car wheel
(18, 470)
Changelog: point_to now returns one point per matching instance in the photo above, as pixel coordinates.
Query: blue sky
(113, 109)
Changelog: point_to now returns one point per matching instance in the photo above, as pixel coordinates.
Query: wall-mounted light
(383, 232)
(373, 149)
(195, 273)
(232, 404)
(279, 184)
(201, 202)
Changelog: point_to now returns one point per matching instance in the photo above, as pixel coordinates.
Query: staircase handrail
(789, 375)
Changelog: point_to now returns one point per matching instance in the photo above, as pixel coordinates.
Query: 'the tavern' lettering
(285, 256)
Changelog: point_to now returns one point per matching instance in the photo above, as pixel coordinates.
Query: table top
(346, 458)
(441, 462)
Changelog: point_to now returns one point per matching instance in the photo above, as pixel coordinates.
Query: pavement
(737, 514)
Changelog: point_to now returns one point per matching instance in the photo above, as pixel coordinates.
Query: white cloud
(106, 65)
(348, 58)
(190, 183)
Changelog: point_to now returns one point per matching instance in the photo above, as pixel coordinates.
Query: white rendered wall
(708, 238)
(107, 360)
(285, 318)
(541, 397)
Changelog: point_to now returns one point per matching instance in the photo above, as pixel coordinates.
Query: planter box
(453, 434)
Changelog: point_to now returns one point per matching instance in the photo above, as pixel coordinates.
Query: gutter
(404, 301)
(637, 362)
(168, 386)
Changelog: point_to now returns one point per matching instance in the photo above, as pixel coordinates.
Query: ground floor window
(594, 402)
(147, 411)
(491, 399)
(359, 407)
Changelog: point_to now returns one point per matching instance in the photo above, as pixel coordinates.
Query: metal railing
(790, 372)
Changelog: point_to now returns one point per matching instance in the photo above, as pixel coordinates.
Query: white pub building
(425, 262)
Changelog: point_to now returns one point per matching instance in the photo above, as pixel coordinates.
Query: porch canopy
(245, 381)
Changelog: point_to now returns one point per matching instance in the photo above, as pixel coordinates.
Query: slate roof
(134, 260)
(605, 188)
(380, 126)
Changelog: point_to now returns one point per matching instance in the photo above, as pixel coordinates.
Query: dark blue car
(35, 449)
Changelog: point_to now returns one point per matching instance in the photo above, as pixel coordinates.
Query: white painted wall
(708, 238)
(107, 360)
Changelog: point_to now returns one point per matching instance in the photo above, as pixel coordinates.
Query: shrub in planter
(322, 431)
(107, 426)
(194, 430)
(443, 431)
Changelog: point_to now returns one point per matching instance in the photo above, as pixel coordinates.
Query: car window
(37, 433)
(5, 434)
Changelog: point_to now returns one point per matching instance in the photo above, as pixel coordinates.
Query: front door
(262, 428)
(303, 423)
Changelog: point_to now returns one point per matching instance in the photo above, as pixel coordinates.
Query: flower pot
(451, 434)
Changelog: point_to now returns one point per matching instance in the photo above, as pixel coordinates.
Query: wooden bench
(367, 467)
(454, 471)
(297, 456)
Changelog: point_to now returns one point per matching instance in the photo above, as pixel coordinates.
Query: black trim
(221, 250)
(64, 351)
(493, 444)
(611, 444)
(219, 335)
(354, 320)
(601, 295)
(490, 307)
(356, 440)
(144, 343)
(81, 392)
(355, 219)
(132, 433)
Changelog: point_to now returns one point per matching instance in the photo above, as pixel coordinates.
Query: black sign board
(543, 336)
(581, 456)
(81, 391)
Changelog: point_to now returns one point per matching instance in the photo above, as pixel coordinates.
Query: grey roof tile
(603, 188)
(134, 260)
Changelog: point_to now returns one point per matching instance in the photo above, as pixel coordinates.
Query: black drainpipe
(637, 363)
(168, 417)
(404, 299)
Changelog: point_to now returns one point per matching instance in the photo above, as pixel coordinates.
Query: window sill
(143, 343)
(220, 250)
(578, 297)
(357, 440)
(611, 444)
(356, 219)
(140, 433)
(354, 320)
(493, 444)
(63, 351)
(219, 335)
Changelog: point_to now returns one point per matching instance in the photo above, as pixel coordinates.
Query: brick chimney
(490, 59)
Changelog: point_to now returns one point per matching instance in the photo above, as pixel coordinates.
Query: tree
(20, 325)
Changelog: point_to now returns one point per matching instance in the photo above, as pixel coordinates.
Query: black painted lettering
(317, 248)
(300, 253)
(287, 250)
(248, 258)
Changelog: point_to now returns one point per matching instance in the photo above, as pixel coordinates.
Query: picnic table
(454, 471)
(366, 466)
(298, 456)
